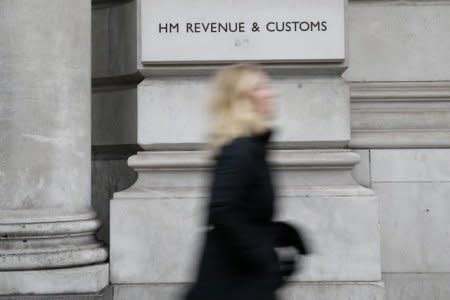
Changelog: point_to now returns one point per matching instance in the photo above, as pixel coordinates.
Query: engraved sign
(213, 31)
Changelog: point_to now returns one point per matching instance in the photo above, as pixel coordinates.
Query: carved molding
(184, 174)
(152, 161)
(43, 239)
(400, 114)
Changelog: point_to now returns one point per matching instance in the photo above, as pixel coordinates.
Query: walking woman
(239, 260)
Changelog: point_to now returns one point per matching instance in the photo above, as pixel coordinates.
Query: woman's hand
(288, 263)
(286, 235)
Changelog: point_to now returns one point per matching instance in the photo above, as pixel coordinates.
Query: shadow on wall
(108, 176)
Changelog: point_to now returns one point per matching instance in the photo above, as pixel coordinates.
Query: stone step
(106, 294)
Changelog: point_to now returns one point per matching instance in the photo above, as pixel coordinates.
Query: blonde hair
(231, 112)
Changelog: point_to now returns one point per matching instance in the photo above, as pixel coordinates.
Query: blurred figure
(238, 259)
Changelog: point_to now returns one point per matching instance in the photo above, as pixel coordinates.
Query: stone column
(47, 225)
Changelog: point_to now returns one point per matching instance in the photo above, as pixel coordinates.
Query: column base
(87, 279)
(49, 239)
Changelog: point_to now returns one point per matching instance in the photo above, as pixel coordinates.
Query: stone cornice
(280, 159)
(400, 114)
(181, 174)
(283, 69)
(400, 91)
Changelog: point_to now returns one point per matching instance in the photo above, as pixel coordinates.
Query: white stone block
(422, 165)
(310, 111)
(156, 240)
(149, 291)
(415, 226)
(408, 286)
(168, 26)
(398, 41)
(86, 279)
(344, 234)
(172, 111)
(334, 291)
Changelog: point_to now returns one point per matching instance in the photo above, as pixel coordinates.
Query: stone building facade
(103, 180)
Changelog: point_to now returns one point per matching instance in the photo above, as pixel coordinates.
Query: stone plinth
(164, 212)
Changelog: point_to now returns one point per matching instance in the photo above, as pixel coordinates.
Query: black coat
(238, 260)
